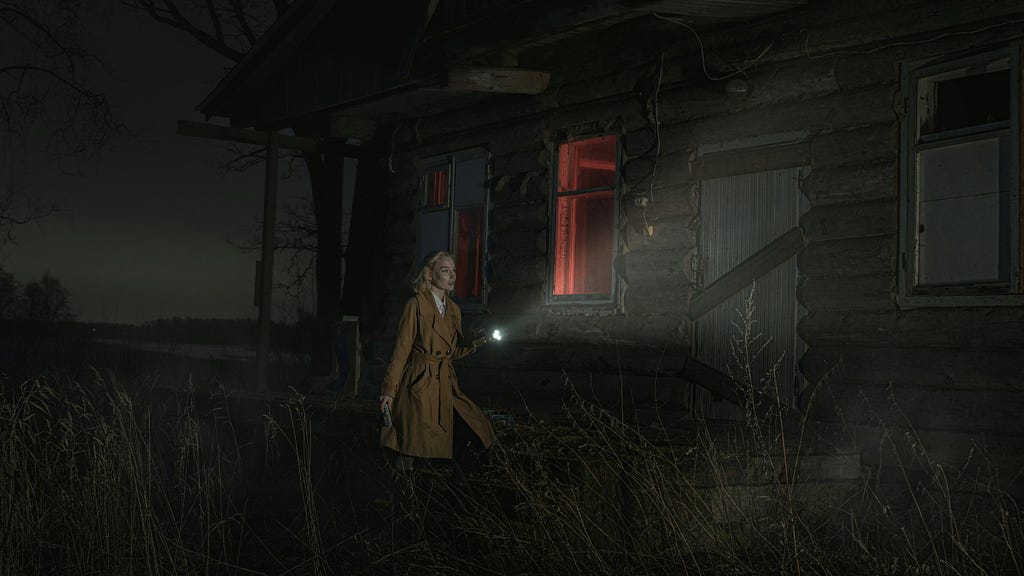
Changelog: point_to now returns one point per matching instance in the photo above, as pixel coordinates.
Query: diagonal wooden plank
(763, 261)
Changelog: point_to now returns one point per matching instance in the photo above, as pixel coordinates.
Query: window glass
(958, 232)
(469, 252)
(436, 185)
(965, 97)
(960, 214)
(587, 164)
(435, 227)
(583, 219)
(583, 243)
(470, 181)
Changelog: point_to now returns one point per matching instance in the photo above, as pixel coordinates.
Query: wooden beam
(215, 132)
(267, 264)
(498, 80)
(358, 127)
(781, 249)
(751, 160)
(711, 379)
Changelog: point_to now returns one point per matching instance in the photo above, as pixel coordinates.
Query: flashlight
(494, 337)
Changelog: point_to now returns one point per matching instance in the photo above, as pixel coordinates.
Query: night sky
(146, 226)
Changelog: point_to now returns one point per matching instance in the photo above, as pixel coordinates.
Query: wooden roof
(397, 57)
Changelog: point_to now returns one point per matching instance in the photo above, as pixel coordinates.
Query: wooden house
(640, 191)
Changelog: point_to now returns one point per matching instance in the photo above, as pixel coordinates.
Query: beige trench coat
(423, 384)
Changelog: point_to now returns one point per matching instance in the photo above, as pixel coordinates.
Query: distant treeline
(213, 331)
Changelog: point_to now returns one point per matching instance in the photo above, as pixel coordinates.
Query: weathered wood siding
(830, 70)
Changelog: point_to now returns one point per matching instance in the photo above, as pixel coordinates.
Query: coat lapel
(441, 325)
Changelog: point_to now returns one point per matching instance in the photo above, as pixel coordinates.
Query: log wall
(831, 70)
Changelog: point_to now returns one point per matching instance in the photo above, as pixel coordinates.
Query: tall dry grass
(600, 495)
(108, 479)
(99, 478)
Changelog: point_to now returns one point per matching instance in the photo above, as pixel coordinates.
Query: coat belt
(444, 397)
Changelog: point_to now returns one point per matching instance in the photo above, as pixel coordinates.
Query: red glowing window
(586, 164)
(436, 188)
(469, 236)
(584, 218)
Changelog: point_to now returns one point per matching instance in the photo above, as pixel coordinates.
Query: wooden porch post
(267, 261)
(273, 141)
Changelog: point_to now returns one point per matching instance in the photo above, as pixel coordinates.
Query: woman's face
(442, 277)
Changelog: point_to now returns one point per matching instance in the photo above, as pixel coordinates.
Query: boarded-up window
(452, 217)
(583, 219)
(960, 213)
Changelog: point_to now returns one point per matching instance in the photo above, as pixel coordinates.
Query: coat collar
(443, 326)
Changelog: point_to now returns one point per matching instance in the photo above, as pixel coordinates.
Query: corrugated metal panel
(739, 215)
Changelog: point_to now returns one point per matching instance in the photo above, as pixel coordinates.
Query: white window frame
(910, 292)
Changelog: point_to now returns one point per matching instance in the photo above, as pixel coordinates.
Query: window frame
(909, 294)
(590, 300)
(450, 162)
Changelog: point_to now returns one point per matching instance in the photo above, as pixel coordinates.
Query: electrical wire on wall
(703, 59)
(646, 200)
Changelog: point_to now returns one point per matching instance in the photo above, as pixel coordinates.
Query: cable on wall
(703, 60)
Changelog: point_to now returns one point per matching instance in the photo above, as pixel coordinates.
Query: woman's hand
(385, 402)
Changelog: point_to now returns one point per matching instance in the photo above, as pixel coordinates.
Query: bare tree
(229, 28)
(46, 300)
(9, 295)
(44, 98)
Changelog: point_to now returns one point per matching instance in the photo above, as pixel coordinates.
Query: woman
(420, 388)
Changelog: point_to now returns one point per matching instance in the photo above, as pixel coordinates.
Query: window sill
(960, 300)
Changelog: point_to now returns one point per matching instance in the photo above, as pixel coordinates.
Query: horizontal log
(511, 305)
(909, 31)
(996, 328)
(842, 221)
(533, 215)
(871, 106)
(651, 266)
(516, 135)
(853, 183)
(642, 297)
(519, 243)
(498, 80)
(671, 232)
(517, 271)
(934, 369)
(521, 161)
(853, 71)
(769, 85)
(751, 160)
(849, 257)
(673, 171)
(856, 293)
(862, 145)
(523, 189)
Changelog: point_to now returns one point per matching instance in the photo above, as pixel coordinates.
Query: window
(960, 216)
(583, 220)
(453, 217)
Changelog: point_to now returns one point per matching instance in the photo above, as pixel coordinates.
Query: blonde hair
(421, 283)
